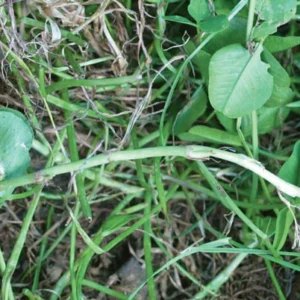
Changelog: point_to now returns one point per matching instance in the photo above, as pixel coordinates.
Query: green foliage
(234, 34)
(290, 171)
(228, 123)
(195, 70)
(200, 61)
(274, 13)
(276, 10)
(212, 135)
(223, 6)
(282, 94)
(199, 10)
(268, 119)
(281, 43)
(15, 142)
(189, 137)
(266, 224)
(295, 104)
(239, 82)
(114, 223)
(180, 20)
(214, 24)
(283, 224)
(194, 109)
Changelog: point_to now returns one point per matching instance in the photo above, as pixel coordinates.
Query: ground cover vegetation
(149, 149)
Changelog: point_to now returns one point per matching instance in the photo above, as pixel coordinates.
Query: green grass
(113, 179)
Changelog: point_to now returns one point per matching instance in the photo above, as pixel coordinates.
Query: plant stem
(254, 114)
(42, 251)
(189, 152)
(255, 144)
(274, 280)
(250, 20)
(2, 270)
(79, 179)
(148, 247)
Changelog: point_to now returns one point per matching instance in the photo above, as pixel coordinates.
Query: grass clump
(165, 157)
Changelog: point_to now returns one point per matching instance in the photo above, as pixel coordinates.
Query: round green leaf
(199, 10)
(15, 141)
(238, 81)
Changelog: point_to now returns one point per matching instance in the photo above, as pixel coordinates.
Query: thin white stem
(254, 166)
(189, 152)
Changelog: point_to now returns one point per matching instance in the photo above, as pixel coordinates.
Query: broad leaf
(282, 94)
(234, 34)
(194, 109)
(239, 82)
(280, 43)
(199, 10)
(214, 24)
(274, 13)
(290, 171)
(268, 119)
(276, 10)
(265, 29)
(15, 142)
(223, 6)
